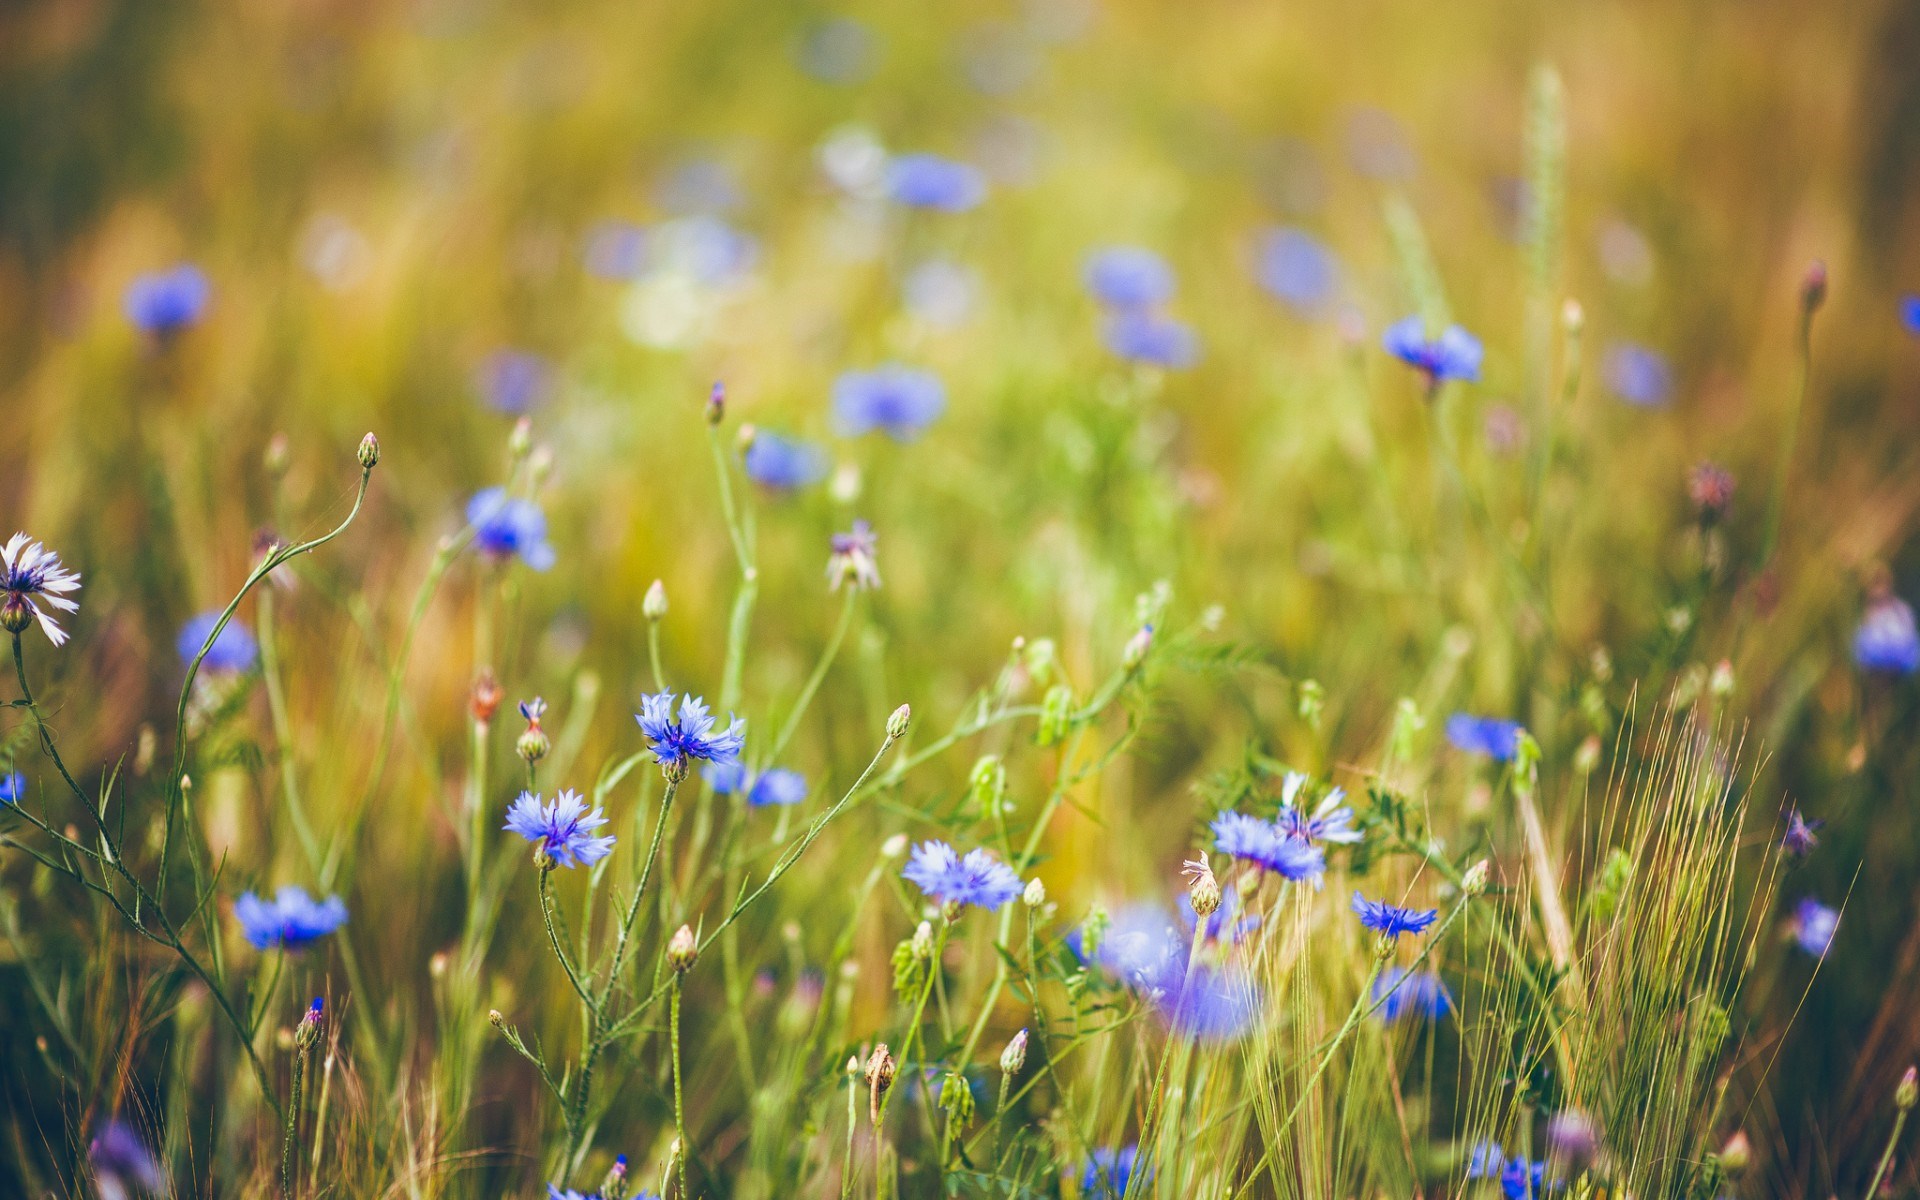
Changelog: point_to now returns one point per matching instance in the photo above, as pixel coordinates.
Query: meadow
(1029, 599)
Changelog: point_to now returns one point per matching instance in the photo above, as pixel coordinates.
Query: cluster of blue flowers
(1132, 283)
(1142, 949)
(1289, 845)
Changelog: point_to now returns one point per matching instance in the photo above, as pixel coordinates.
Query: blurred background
(432, 218)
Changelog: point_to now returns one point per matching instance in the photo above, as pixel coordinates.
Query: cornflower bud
(486, 697)
(496, 1018)
(1587, 755)
(1736, 1154)
(1014, 1056)
(533, 744)
(1474, 881)
(1908, 1092)
(743, 441)
(879, 1078)
(922, 943)
(307, 1032)
(894, 846)
(15, 614)
(654, 606)
(1720, 683)
(277, 459)
(1136, 649)
(1813, 287)
(681, 950)
(520, 441)
(1035, 893)
(1204, 892)
(369, 452)
(717, 404)
(1573, 318)
(614, 1186)
(898, 722)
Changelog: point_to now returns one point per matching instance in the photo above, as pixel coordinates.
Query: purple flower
(1128, 277)
(931, 182)
(1814, 925)
(1107, 1172)
(777, 787)
(1497, 739)
(1296, 269)
(1390, 920)
(564, 828)
(1399, 992)
(289, 921)
(1886, 640)
(1454, 354)
(1330, 821)
(1211, 1003)
(1801, 835)
(122, 1162)
(13, 786)
(1638, 375)
(163, 303)
(727, 778)
(513, 381)
(31, 575)
(898, 401)
(1151, 338)
(1140, 947)
(777, 461)
(691, 736)
(1262, 843)
(234, 650)
(509, 526)
(853, 559)
(1572, 1136)
(979, 879)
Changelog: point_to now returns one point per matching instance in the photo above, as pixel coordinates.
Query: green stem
(1886, 1156)
(818, 676)
(679, 1100)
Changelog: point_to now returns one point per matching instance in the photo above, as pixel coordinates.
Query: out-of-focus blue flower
(564, 827)
(13, 786)
(1226, 923)
(699, 185)
(31, 575)
(1910, 314)
(853, 560)
(1814, 925)
(930, 181)
(978, 879)
(1296, 269)
(1330, 821)
(1212, 1003)
(703, 248)
(122, 1162)
(233, 650)
(1801, 835)
(1390, 920)
(1107, 1172)
(1400, 992)
(1128, 277)
(1151, 338)
(1491, 736)
(939, 292)
(1140, 947)
(1523, 1180)
(726, 778)
(1887, 640)
(164, 303)
(513, 381)
(777, 461)
(615, 250)
(289, 921)
(1454, 354)
(840, 50)
(1638, 375)
(777, 787)
(898, 401)
(1253, 840)
(508, 526)
(1486, 1161)
(692, 735)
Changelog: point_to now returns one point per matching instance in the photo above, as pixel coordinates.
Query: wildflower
(1108, 1172)
(654, 605)
(1253, 840)
(290, 920)
(1638, 375)
(780, 462)
(31, 575)
(163, 303)
(896, 400)
(485, 698)
(1151, 338)
(1910, 314)
(932, 182)
(1390, 920)
(852, 561)
(507, 526)
(513, 381)
(1711, 490)
(1211, 1003)
(533, 743)
(978, 879)
(1127, 277)
(1454, 354)
(1135, 651)
(1736, 1153)
(122, 1162)
(1801, 835)
(1486, 1161)
(1138, 946)
(1330, 821)
(1035, 893)
(1887, 641)
(1204, 896)
(368, 452)
(898, 721)
(1014, 1056)
(13, 785)
(1814, 925)
(1495, 738)
(563, 829)
(675, 742)
(1813, 287)
(1907, 1093)
(234, 650)
(311, 1022)
(682, 950)
(1296, 269)
(777, 787)
(1572, 1135)
(1398, 992)
(1523, 1180)
(1224, 922)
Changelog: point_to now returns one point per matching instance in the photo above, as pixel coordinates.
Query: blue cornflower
(290, 920)
(1400, 992)
(1495, 738)
(615, 250)
(899, 401)
(726, 778)
(1801, 835)
(233, 650)
(31, 575)
(1212, 1003)
(1390, 920)
(1486, 1161)
(1330, 821)
(1814, 925)
(1151, 338)
(513, 381)
(676, 742)
(563, 828)
(1523, 1180)
(929, 181)
(1128, 277)
(1253, 840)
(1455, 354)
(1887, 640)
(1139, 947)
(777, 461)
(979, 879)
(1295, 268)
(165, 302)
(1108, 1172)
(121, 1162)
(13, 786)
(777, 787)
(505, 526)
(1638, 375)
(1910, 314)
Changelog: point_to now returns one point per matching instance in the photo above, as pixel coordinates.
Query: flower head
(1910, 314)
(13, 786)
(1495, 738)
(1253, 840)
(1638, 375)
(898, 401)
(1213, 1003)
(1151, 338)
(1801, 835)
(563, 828)
(853, 561)
(1296, 269)
(507, 526)
(122, 1162)
(1454, 354)
(1225, 923)
(233, 650)
(514, 381)
(1887, 641)
(1710, 488)
(780, 462)
(978, 879)
(777, 787)
(1107, 1172)
(932, 182)
(289, 921)
(164, 303)
(1814, 925)
(1330, 820)
(1128, 277)
(1399, 992)
(30, 576)
(677, 741)
(1390, 920)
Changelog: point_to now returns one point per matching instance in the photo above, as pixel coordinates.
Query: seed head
(1014, 1056)
(654, 607)
(898, 722)
(681, 950)
(369, 451)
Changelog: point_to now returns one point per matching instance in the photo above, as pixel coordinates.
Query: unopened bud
(1587, 755)
(681, 950)
(1137, 647)
(717, 404)
(16, 614)
(520, 441)
(437, 964)
(1475, 880)
(486, 697)
(1736, 1154)
(308, 1031)
(1720, 683)
(369, 451)
(1573, 318)
(1204, 892)
(956, 1100)
(614, 1186)
(1908, 1092)
(922, 943)
(1035, 893)
(880, 1068)
(533, 744)
(1014, 1056)
(894, 846)
(1813, 287)
(654, 606)
(496, 1018)
(898, 722)
(743, 441)
(277, 459)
